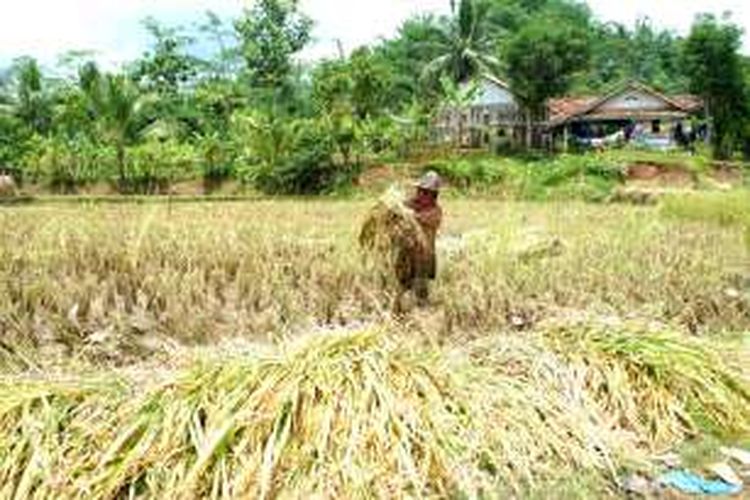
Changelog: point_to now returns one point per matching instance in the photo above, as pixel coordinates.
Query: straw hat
(429, 182)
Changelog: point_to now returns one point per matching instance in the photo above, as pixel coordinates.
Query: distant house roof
(689, 102)
(565, 107)
(497, 81)
(632, 100)
(491, 91)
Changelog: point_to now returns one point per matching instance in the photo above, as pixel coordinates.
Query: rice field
(233, 350)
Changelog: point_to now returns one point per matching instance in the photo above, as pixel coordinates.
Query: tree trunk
(710, 122)
(121, 165)
(529, 129)
(460, 142)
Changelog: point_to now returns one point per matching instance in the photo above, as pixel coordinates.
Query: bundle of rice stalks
(663, 385)
(392, 235)
(13, 358)
(341, 415)
(42, 426)
(546, 424)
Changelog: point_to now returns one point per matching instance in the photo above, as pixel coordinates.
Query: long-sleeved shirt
(430, 216)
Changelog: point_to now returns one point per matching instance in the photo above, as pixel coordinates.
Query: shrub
(466, 173)
(65, 164)
(216, 163)
(288, 157)
(377, 134)
(154, 165)
(587, 177)
(567, 167)
(307, 168)
(13, 143)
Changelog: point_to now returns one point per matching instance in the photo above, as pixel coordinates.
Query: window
(656, 126)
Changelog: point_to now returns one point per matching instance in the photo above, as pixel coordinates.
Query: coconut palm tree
(465, 45)
(118, 110)
(115, 102)
(32, 103)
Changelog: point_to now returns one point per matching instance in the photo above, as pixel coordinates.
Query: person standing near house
(629, 130)
(429, 214)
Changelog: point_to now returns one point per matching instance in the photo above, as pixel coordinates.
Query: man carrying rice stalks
(429, 215)
(403, 234)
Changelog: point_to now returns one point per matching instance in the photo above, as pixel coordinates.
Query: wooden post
(566, 137)
(529, 138)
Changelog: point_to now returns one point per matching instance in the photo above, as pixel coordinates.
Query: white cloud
(357, 22)
(112, 28)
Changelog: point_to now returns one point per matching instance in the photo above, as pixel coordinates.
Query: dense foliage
(230, 99)
(716, 73)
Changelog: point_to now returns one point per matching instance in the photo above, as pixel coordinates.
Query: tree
(333, 98)
(332, 86)
(164, 73)
(370, 83)
(361, 85)
(225, 60)
(116, 102)
(644, 53)
(457, 97)
(32, 106)
(504, 18)
(746, 136)
(167, 66)
(714, 67)
(13, 138)
(466, 49)
(417, 43)
(542, 59)
(270, 34)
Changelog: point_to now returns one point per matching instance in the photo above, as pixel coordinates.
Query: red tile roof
(688, 102)
(565, 107)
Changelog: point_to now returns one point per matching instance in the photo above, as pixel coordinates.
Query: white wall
(634, 99)
(491, 94)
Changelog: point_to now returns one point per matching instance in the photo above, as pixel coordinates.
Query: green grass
(698, 163)
(587, 177)
(728, 209)
(720, 208)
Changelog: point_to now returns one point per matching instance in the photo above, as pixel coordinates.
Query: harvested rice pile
(361, 414)
(391, 236)
(661, 384)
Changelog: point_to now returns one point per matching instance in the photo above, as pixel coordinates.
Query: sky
(113, 28)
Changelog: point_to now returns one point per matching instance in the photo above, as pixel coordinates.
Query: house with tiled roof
(632, 111)
(635, 110)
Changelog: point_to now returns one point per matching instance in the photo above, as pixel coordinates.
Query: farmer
(429, 215)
